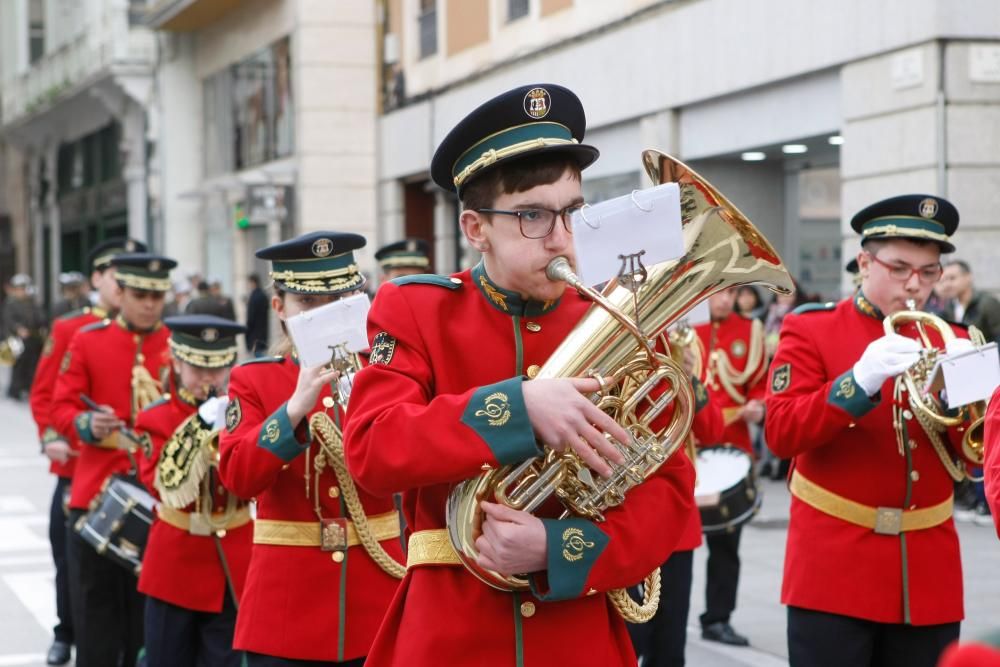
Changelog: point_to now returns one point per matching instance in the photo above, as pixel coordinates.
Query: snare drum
(726, 492)
(118, 522)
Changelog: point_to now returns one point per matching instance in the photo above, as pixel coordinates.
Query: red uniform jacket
(736, 370)
(299, 602)
(178, 567)
(441, 398)
(99, 364)
(44, 384)
(991, 467)
(708, 426)
(845, 442)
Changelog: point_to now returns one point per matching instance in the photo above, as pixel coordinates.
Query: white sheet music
(316, 332)
(968, 376)
(646, 220)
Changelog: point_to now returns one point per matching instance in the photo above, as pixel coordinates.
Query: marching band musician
(63, 448)
(115, 363)
(444, 398)
(403, 258)
(872, 568)
(661, 641)
(311, 593)
(737, 367)
(196, 557)
(991, 464)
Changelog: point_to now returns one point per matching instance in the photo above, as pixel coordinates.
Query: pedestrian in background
(25, 320)
(258, 309)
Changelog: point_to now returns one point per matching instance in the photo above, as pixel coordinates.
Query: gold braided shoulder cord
(632, 611)
(727, 375)
(332, 446)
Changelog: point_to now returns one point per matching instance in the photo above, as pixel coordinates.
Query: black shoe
(58, 653)
(723, 633)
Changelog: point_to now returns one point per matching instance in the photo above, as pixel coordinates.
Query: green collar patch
(814, 307)
(510, 303)
(263, 360)
(428, 279)
(866, 307)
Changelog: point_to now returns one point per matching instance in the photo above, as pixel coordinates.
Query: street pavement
(27, 603)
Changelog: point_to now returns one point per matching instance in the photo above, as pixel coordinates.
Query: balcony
(103, 45)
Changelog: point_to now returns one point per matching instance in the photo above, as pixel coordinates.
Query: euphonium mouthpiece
(559, 269)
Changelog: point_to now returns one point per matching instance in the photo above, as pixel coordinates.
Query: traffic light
(240, 215)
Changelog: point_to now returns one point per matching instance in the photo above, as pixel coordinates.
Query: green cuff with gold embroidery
(700, 394)
(573, 546)
(278, 437)
(497, 413)
(82, 424)
(50, 435)
(846, 394)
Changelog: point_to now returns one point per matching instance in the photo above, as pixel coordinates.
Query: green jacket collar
(507, 302)
(127, 326)
(866, 307)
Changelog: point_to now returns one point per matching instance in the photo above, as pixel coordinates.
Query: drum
(726, 492)
(118, 522)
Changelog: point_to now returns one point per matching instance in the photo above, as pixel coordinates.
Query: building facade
(801, 113)
(269, 107)
(75, 81)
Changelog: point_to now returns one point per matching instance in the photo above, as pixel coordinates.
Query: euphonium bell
(722, 249)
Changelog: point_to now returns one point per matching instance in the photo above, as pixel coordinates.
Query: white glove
(213, 410)
(884, 358)
(959, 345)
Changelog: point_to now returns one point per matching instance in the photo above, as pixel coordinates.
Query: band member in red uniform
(737, 367)
(403, 258)
(114, 363)
(661, 641)
(872, 568)
(444, 398)
(61, 449)
(316, 590)
(196, 559)
(991, 466)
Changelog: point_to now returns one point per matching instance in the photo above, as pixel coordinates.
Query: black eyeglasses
(537, 223)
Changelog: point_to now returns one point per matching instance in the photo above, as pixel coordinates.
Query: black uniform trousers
(722, 576)
(660, 642)
(178, 636)
(109, 621)
(820, 639)
(63, 630)
(261, 660)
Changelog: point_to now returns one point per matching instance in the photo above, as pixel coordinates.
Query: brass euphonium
(930, 411)
(612, 340)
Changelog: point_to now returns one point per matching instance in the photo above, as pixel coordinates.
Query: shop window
(428, 28)
(249, 114)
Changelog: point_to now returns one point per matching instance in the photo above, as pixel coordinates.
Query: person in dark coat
(24, 320)
(258, 307)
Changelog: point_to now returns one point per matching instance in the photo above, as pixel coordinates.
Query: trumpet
(926, 406)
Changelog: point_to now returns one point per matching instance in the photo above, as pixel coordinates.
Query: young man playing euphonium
(444, 398)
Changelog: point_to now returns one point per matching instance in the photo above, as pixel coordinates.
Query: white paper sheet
(316, 332)
(646, 220)
(967, 377)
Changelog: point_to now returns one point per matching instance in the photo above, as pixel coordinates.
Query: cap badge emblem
(322, 247)
(154, 265)
(210, 335)
(537, 103)
(928, 208)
